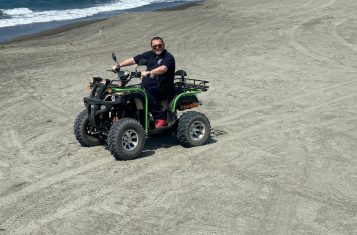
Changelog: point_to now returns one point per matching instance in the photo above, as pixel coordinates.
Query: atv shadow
(154, 143)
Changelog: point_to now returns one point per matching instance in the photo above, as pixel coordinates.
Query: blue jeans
(154, 96)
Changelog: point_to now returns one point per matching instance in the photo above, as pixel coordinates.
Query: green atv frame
(117, 114)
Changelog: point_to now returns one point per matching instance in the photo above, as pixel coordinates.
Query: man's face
(157, 46)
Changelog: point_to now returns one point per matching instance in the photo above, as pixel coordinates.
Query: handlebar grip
(97, 79)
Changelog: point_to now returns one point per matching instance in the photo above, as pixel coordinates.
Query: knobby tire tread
(82, 137)
(184, 123)
(113, 139)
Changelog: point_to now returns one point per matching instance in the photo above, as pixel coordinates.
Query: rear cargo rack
(192, 84)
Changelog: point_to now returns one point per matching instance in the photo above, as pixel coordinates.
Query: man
(159, 77)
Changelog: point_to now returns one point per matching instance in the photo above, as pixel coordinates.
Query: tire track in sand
(34, 93)
(330, 3)
(13, 141)
(36, 97)
(47, 181)
(303, 50)
(282, 199)
(341, 39)
(230, 118)
(87, 200)
(269, 122)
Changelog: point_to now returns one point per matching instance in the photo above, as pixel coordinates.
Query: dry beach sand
(282, 105)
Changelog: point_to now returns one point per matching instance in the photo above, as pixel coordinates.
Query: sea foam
(22, 16)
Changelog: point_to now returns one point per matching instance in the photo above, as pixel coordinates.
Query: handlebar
(135, 74)
(124, 77)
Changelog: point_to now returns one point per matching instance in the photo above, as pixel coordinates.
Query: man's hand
(145, 74)
(116, 67)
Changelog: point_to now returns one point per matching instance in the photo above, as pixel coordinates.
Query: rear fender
(184, 101)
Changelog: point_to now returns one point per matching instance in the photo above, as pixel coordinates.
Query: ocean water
(21, 17)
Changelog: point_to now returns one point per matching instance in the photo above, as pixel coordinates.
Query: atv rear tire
(126, 139)
(193, 129)
(82, 131)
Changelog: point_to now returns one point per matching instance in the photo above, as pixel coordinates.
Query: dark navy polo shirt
(154, 61)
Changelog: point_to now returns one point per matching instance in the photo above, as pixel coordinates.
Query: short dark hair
(157, 38)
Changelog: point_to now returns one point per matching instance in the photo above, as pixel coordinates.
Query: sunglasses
(159, 46)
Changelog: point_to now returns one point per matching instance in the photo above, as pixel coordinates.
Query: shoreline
(78, 24)
(50, 32)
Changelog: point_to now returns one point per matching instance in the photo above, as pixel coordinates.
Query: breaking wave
(23, 15)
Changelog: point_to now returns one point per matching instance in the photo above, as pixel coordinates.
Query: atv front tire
(126, 139)
(193, 129)
(82, 131)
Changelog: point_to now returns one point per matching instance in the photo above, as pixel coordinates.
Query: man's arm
(157, 71)
(127, 62)
(124, 63)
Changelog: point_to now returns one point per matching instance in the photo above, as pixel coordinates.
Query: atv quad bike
(117, 114)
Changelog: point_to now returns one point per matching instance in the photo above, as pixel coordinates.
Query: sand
(282, 104)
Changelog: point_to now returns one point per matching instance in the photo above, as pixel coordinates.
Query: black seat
(182, 74)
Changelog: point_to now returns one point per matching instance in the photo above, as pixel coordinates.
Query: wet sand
(282, 104)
